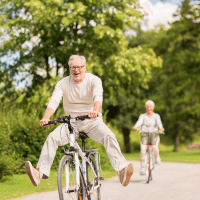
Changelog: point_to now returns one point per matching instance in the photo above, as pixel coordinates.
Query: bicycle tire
(152, 163)
(148, 166)
(90, 175)
(67, 168)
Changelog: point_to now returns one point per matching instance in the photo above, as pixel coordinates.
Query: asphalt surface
(171, 181)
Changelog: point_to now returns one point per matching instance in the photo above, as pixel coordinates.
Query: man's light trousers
(96, 129)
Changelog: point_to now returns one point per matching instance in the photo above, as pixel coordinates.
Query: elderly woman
(149, 119)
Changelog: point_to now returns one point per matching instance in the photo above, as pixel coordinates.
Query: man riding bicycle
(82, 95)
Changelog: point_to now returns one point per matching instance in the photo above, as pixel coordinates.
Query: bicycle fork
(72, 148)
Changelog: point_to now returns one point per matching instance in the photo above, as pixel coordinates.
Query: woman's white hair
(74, 57)
(149, 102)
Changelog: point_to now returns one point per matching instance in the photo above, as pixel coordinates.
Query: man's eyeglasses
(76, 67)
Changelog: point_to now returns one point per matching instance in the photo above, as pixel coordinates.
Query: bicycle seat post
(83, 136)
(83, 145)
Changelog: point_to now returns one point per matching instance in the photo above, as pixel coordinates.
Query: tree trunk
(57, 69)
(47, 66)
(176, 144)
(126, 133)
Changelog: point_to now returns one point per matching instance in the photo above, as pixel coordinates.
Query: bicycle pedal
(101, 178)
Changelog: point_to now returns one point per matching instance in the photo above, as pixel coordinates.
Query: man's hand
(48, 113)
(44, 121)
(93, 114)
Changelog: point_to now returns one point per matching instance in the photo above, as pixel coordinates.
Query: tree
(127, 76)
(41, 31)
(174, 88)
(181, 66)
(93, 29)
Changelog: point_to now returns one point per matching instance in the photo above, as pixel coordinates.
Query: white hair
(149, 102)
(74, 57)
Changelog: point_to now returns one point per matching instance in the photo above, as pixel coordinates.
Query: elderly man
(82, 95)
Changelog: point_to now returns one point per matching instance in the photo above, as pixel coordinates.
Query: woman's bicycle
(78, 171)
(149, 138)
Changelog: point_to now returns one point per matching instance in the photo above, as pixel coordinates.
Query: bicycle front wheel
(67, 186)
(92, 181)
(148, 166)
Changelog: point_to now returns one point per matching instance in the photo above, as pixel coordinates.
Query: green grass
(20, 185)
(183, 156)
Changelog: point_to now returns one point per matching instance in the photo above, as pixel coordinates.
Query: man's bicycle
(78, 171)
(149, 138)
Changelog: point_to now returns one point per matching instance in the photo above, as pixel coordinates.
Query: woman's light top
(153, 121)
(78, 98)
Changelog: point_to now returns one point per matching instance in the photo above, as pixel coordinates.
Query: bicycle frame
(85, 160)
(85, 184)
(150, 149)
(149, 161)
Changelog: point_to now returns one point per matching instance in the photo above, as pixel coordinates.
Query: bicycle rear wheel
(92, 182)
(67, 186)
(148, 166)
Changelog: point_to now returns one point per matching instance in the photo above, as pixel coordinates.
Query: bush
(9, 159)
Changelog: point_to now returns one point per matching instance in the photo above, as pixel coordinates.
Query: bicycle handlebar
(67, 119)
(150, 132)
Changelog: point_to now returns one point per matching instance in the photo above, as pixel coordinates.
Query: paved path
(171, 181)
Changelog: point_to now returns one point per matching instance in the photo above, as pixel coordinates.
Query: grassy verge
(19, 185)
(183, 156)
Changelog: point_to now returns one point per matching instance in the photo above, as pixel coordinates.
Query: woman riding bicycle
(149, 119)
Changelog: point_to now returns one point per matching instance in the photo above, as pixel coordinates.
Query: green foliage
(21, 137)
(182, 73)
(175, 87)
(39, 31)
(93, 29)
(127, 75)
(9, 159)
(131, 72)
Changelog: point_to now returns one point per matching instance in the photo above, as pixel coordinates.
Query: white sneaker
(142, 171)
(158, 160)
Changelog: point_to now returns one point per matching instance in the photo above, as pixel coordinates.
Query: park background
(136, 56)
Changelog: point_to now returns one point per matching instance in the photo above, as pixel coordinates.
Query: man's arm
(96, 110)
(48, 113)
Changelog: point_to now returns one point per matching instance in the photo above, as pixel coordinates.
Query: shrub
(9, 159)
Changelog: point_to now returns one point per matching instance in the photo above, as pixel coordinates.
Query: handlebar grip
(51, 122)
